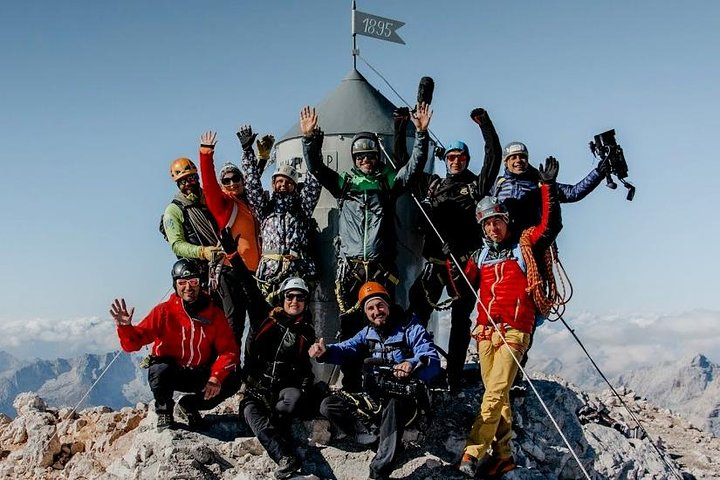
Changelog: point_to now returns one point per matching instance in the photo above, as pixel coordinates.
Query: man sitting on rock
(193, 351)
(401, 358)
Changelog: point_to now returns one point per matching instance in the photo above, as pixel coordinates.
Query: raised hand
(208, 141)
(264, 146)
(120, 313)
(308, 120)
(477, 114)
(549, 172)
(246, 136)
(317, 348)
(421, 117)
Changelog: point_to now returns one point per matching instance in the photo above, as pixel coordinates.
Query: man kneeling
(388, 343)
(193, 348)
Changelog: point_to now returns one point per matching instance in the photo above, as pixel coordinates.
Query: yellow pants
(493, 425)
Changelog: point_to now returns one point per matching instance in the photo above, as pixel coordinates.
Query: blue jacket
(407, 342)
(521, 195)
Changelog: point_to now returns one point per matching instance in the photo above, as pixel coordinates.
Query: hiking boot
(287, 466)
(165, 421)
(365, 438)
(468, 465)
(192, 416)
(500, 466)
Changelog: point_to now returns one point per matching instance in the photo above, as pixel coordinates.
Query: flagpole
(354, 37)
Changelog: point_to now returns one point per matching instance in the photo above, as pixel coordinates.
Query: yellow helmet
(181, 168)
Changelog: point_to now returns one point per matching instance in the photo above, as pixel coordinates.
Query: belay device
(606, 148)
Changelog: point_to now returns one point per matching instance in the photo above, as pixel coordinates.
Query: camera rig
(606, 149)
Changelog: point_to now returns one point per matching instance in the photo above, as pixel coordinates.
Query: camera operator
(405, 349)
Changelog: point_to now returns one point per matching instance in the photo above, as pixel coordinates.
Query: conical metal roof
(354, 106)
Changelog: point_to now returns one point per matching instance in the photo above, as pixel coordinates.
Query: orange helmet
(181, 168)
(371, 290)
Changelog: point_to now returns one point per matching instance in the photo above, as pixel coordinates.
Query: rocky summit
(99, 443)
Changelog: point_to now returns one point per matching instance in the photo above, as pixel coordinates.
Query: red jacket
(192, 342)
(231, 212)
(502, 283)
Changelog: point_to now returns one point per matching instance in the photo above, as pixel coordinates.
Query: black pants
(166, 378)
(391, 422)
(233, 302)
(351, 278)
(272, 428)
(428, 288)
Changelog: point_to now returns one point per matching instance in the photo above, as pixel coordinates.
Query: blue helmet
(457, 145)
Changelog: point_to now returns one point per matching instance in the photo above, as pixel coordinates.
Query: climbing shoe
(500, 466)
(192, 416)
(287, 466)
(468, 465)
(165, 421)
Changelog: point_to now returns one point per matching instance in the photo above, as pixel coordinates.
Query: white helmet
(287, 171)
(515, 148)
(294, 283)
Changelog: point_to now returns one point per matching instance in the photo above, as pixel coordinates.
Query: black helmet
(365, 142)
(185, 268)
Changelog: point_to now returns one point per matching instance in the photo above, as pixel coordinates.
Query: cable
(632, 415)
(494, 324)
(102, 374)
(432, 134)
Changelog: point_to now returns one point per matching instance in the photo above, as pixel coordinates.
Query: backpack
(161, 228)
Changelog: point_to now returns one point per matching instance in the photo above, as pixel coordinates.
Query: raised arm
(218, 203)
(132, 337)
(574, 193)
(312, 152)
(256, 195)
(547, 230)
(493, 151)
(408, 173)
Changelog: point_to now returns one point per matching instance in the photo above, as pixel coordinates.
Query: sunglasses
(455, 156)
(365, 156)
(189, 179)
(183, 282)
(300, 297)
(233, 179)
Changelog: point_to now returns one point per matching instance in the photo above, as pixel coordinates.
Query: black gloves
(246, 137)
(603, 167)
(440, 152)
(477, 115)
(228, 243)
(549, 173)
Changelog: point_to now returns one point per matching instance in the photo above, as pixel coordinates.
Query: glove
(477, 115)
(401, 115)
(211, 254)
(549, 173)
(603, 167)
(246, 137)
(264, 145)
(318, 135)
(229, 244)
(440, 153)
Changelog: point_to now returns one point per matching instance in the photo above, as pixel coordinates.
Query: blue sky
(97, 98)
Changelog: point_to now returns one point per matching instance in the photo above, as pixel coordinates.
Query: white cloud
(619, 343)
(52, 338)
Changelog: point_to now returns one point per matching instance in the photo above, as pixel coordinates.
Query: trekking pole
(494, 324)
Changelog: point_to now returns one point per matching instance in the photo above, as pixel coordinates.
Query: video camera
(606, 149)
(379, 378)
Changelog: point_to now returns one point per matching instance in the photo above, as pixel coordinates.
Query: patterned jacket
(284, 224)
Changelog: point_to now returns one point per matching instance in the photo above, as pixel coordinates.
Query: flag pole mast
(355, 51)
